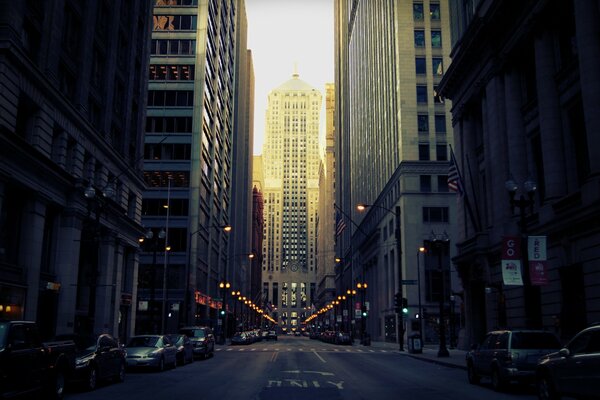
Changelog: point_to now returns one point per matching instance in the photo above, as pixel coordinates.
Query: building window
(434, 11)
(420, 66)
(418, 11)
(435, 214)
(171, 72)
(423, 122)
(421, 94)
(442, 183)
(436, 39)
(438, 66)
(419, 38)
(174, 22)
(423, 152)
(275, 298)
(440, 123)
(425, 181)
(437, 98)
(441, 152)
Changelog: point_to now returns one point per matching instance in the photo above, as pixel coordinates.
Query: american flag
(454, 179)
(340, 223)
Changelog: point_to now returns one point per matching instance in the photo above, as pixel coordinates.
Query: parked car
(271, 335)
(572, 371)
(509, 355)
(98, 358)
(342, 338)
(241, 338)
(153, 351)
(185, 349)
(202, 338)
(30, 366)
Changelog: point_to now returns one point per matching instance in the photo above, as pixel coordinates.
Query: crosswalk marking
(304, 349)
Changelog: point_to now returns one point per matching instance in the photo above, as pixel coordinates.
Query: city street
(297, 367)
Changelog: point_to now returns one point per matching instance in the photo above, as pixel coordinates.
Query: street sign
(409, 281)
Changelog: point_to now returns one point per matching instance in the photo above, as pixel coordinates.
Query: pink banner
(536, 251)
(511, 248)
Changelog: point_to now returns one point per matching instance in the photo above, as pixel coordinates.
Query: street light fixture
(224, 286)
(362, 287)
(397, 234)
(531, 293)
(440, 242)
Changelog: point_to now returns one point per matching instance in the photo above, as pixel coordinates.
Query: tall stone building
(72, 104)
(290, 191)
(393, 137)
(526, 116)
(188, 162)
(326, 234)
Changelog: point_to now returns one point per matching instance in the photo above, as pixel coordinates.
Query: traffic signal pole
(400, 287)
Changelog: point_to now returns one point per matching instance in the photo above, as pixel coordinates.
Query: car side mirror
(564, 352)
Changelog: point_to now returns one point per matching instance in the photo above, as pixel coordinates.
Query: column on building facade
(549, 117)
(132, 279)
(32, 237)
(67, 269)
(105, 291)
(495, 146)
(459, 129)
(587, 15)
(118, 288)
(515, 130)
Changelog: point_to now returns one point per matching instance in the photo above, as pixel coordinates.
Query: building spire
(295, 74)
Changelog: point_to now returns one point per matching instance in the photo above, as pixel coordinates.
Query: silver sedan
(154, 351)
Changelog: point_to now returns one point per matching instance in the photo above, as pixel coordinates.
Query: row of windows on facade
(441, 152)
(436, 39)
(419, 11)
(423, 98)
(437, 66)
(275, 292)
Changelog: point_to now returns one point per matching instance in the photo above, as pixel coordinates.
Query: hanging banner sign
(536, 251)
(511, 261)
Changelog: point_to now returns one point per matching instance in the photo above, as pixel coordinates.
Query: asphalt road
(299, 368)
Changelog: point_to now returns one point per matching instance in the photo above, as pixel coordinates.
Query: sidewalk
(429, 354)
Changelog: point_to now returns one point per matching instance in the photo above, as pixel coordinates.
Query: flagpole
(461, 190)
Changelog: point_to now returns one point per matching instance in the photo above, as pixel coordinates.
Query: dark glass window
(420, 66)
(423, 122)
(174, 22)
(421, 94)
(440, 123)
(436, 96)
(434, 11)
(418, 11)
(436, 39)
(419, 38)
(423, 152)
(435, 214)
(442, 183)
(425, 183)
(441, 152)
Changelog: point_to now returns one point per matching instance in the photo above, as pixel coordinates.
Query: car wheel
(498, 384)
(545, 389)
(92, 379)
(121, 372)
(56, 388)
(471, 375)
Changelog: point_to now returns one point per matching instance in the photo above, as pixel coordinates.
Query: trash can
(414, 343)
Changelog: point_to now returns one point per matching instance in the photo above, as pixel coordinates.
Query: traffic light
(404, 305)
(397, 303)
(222, 312)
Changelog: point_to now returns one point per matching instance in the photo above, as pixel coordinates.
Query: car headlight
(154, 354)
(82, 362)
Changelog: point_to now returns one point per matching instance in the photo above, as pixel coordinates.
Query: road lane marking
(372, 351)
(274, 356)
(348, 350)
(309, 372)
(319, 357)
(229, 349)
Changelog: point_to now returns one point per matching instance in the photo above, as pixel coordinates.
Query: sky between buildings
(284, 33)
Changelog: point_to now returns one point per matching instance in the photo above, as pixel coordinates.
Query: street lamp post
(150, 236)
(421, 250)
(235, 294)
(351, 293)
(531, 293)
(440, 242)
(398, 237)
(224, 286)
(362, 286)
(452, 298)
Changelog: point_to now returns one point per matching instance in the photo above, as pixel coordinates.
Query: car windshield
(3, 332)
(534, 340)
(176, 339)
(143, 341)
(196, 333)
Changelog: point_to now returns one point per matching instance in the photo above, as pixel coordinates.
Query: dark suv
(202, 339)
(574, 370)
(509, 355)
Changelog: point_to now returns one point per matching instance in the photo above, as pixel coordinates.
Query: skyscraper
(393, 133)
(72, 89)
(188, 149)
(290, 171)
